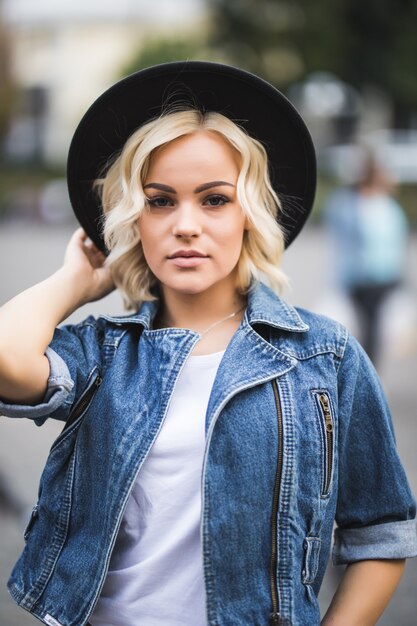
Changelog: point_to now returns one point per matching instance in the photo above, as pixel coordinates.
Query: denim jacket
(298, 436)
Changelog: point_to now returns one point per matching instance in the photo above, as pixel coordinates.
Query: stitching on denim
(257, 339)
(315, 351)
(342, 356)
(303, 354)
(284, 529)
(60, 381)
(58, 539)
(311, 559)
(296, 324)
(172, 331)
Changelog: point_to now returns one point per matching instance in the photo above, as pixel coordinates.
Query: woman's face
(193, 228)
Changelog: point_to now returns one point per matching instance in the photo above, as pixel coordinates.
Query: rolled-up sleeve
(74, 352)
(60, 385)
(394, 540)
(376, 509)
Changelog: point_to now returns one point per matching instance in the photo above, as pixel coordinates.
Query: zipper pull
(274, 619)
(325, 405)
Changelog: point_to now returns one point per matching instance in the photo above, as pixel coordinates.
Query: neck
(198, 311)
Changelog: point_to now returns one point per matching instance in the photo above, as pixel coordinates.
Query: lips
(187, 258)
(186, 254)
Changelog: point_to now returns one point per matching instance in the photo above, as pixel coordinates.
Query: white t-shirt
(155, 576)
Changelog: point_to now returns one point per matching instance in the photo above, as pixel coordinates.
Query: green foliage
(364, 42)
(14, 179)
(7, 89)
(164, 50)
(259, 36)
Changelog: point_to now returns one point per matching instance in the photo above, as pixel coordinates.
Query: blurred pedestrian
(369, 232)
(214, 436)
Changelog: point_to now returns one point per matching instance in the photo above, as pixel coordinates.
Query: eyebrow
(200, 188)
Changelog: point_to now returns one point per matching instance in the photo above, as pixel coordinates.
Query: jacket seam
(312, 355)
(340, 359)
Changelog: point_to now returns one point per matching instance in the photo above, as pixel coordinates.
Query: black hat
(251, 102)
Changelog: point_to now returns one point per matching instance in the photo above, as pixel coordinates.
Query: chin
(194, 282)
(189, 291)
(188, 285)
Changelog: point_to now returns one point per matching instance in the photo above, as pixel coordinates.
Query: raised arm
(28, 321)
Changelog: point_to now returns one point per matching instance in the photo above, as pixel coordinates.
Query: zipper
(324, 403)
(274, 616)
(83, 402)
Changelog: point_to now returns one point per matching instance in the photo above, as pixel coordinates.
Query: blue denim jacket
(299, 435)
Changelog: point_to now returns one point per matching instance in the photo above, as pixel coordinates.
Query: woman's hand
(84, 261)
(28, 321)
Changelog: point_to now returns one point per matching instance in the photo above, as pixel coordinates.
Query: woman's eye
(159, 201)
(216, 200)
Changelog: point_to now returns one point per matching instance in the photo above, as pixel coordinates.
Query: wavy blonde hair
(123, 200)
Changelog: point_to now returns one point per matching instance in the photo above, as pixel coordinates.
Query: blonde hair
(123, 200)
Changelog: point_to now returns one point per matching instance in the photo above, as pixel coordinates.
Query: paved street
(29, 252)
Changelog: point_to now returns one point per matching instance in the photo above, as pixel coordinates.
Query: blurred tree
(371, 42)
(381, 50)
(164, 49)
(259, 36)
(6, 82)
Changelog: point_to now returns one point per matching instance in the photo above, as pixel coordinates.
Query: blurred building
(64, 54)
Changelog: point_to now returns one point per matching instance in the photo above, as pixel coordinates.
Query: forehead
(203, 147)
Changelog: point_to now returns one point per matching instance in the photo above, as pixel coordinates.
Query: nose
(186, 221)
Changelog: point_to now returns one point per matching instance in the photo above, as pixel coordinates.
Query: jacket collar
(264, 307)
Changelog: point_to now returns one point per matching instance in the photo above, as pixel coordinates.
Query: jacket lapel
(250, 359)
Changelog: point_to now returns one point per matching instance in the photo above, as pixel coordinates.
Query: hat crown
(248, 100)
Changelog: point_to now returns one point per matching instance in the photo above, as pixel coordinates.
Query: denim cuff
(393, 540)
(59, 386)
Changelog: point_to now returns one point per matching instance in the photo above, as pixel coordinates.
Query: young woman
(211, 438)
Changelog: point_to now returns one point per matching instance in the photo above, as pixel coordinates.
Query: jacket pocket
(312, 547)
(48, 527)
(32, 520)
(327, 435)
(79, 409)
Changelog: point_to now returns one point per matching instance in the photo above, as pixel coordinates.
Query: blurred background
(349, 66)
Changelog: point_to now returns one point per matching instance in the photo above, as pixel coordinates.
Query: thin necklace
(205, 331)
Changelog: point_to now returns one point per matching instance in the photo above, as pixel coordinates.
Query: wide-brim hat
(251, 102)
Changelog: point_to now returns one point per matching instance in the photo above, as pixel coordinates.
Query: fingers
(79, 235)
(94, 254)
(81, 238)
(81, 248)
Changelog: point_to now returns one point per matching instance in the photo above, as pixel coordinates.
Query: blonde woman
(213, 436)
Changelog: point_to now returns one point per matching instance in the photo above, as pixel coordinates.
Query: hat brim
(251, 102)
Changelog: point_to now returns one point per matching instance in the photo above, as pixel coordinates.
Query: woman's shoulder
(323, 334)
(327, 335)
(93, 330)
(299, 331)
(103, 322)
(316, 321)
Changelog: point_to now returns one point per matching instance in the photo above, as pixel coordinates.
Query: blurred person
(212, 437)
(369, 232)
